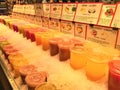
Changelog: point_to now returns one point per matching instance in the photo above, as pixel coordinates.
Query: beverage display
(78, 57)
(114, 75)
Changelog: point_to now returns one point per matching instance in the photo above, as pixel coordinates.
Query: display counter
(60, 73)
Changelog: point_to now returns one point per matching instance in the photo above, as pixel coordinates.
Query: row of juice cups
(79, 56)
(95, 69)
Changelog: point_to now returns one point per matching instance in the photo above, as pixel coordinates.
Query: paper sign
(106, 15)
(116, 20)
(56, 10)
(118, 41)
(103, 35)
(46, 10)
(45, 22)
(88, 12)
(38, 9)
(67, 27)
(80, 30)
(68, 11)
(54, 24)
(38, 20)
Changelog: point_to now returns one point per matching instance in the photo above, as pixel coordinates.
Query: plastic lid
(28, 69)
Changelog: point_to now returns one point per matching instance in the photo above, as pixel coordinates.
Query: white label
(106, 15)
(54, 24)
(103, 35)
(88, 13)
(116, 20)
(68, 12)
(56, 10)
(67, 27)
(80, 30)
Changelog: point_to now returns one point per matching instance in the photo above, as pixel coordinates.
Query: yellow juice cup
(78, 57)
(45, 40)
(97, 66)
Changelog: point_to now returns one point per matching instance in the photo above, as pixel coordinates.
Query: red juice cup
(114, 75)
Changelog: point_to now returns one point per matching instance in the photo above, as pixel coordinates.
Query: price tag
(68, 11)
(54, 24)
(56, 10)
(46, 10)
(118, 41)
(45, 22)
(116, 19)
(88, 12)
(67, 27)
(38, 9)
(106, 15)
(80, 30)
(103, 35)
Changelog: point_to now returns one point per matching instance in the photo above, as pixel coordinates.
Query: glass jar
(114, 75)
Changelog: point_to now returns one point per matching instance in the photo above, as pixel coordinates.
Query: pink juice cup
(114, 75)
(35, 79)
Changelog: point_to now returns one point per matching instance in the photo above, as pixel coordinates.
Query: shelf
(8, 75)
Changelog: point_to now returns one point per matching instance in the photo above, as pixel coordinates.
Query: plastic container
(97, 66)
(45, 40)
(64, 49)
(25, 70)
(114, 75)
(38, 37)
(54, 49)
(78, 57)
(35, 79)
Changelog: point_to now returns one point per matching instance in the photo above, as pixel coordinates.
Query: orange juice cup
(78, 57)
(45, 40)
(97, 66)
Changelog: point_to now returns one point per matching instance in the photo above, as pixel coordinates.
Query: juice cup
(45, 40)
(64, 49)
(38, 36)
(97, 66)
(35, 79)
(78, 57)
(54, 49)
(114, 75)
